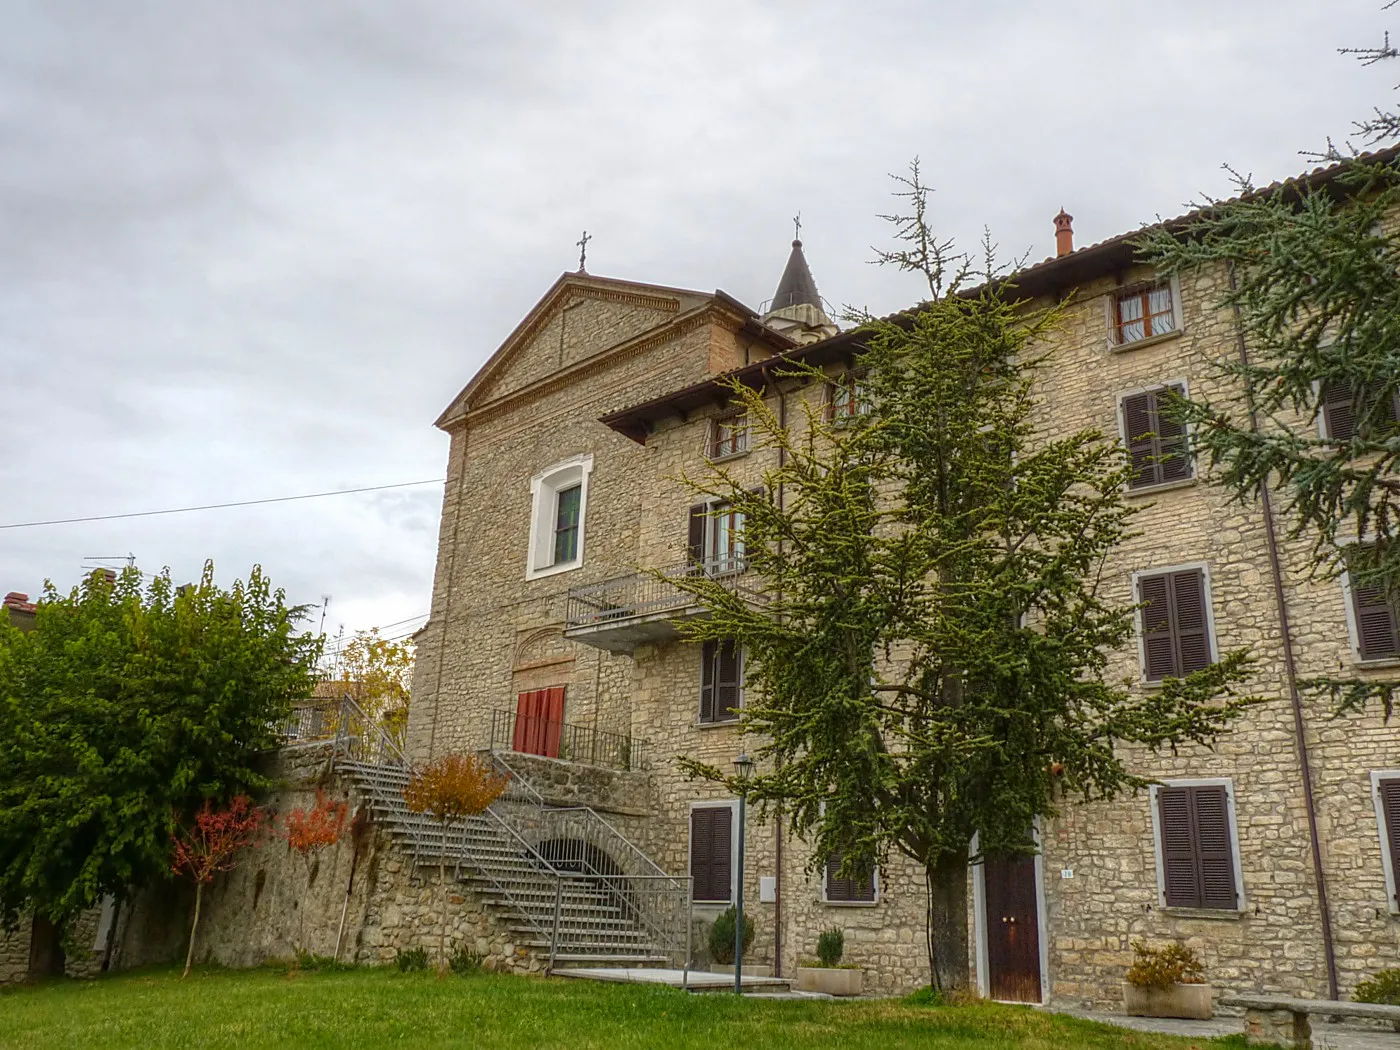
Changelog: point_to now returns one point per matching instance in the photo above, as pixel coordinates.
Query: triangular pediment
(581, 315)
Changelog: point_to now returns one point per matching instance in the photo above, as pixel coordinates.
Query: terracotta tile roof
(1053, 275)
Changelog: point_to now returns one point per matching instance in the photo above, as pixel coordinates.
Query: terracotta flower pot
(1189, 1001)
(833, 980)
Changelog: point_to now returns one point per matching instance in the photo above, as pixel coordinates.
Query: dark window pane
(566, 521)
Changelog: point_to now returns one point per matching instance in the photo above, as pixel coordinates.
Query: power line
(218, 506)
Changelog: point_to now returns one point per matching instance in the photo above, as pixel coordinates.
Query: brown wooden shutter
(1198, 862)
(695, 537)
(1158, 648)
(1191, 622)
(1175, 624)
(728, 681)
(1215, 856)
(1179, 877)
(707, 681)
(1390, 810)
(1377, 629)
(1338, 411)
(1174, 458)
(552, 708)
(1137, 430)
(847, 890)
(711, 828)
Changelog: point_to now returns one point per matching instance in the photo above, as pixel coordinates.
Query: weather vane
(582, 243)
(797, 227)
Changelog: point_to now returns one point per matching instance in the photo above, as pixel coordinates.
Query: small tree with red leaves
(211, 846)
(451, 789)
(309, 831)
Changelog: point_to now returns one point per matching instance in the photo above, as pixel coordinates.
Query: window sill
(1387, 663)
(851, 904)
(728, 456)
(728, 723)
(1215, 914)
(553, 570)
(1152, 490)
(1152, 340)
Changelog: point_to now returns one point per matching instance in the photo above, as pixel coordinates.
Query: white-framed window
(1339, 406)
(1176, 623)
(728, 437)
(559, 506)
(1158, 445)
(1373, 622)
(1385, 793)
(1197, 845)
(848, 891)
(1144, 311)
(713, 850)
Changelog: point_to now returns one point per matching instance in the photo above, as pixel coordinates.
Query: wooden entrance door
(539, 722)
(1013, 929)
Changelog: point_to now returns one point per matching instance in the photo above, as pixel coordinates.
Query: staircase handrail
(351, 710)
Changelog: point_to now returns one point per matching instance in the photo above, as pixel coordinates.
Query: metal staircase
(563, 881)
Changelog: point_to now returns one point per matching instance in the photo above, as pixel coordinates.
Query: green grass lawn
(383, 1008)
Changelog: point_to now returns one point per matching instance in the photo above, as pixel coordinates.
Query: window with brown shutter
(721, 681)
(711, 852)
(695, 535)
(1175, 624)
(843, 890)
(1157, 443)
(728, 436)
(1377, 622)
(1197, 854)
(1388, 790)
(1341, 406)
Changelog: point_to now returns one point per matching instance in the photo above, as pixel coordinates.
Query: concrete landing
(1325, 1036)
(695, 981)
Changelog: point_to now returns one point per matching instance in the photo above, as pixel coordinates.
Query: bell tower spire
(796, 308)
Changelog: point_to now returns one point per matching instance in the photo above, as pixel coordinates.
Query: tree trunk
(46, 957)
(194, 927)
(442, 931)
(946, 884)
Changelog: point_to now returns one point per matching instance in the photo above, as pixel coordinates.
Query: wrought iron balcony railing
(531, 735)
(613, 606)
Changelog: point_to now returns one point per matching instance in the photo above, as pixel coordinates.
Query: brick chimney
(1064, 233)
(18, 600)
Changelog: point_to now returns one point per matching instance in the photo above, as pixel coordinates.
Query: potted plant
(1167, 982)
(827, 974)
(722, 946)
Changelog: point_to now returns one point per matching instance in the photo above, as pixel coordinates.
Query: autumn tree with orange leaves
(451, 789)
(211, 846)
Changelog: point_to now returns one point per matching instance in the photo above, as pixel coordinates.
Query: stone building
(1271, 854)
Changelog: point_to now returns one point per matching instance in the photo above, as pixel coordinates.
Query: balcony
(627, 611)
(526, 735)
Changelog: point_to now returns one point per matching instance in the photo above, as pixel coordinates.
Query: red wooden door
(539, 720)
(1013, 929)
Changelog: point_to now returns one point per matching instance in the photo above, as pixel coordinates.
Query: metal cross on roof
(582, 243)
(797, 227)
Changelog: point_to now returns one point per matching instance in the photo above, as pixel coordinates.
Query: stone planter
(1190, 1001)
(833, 980)
(750, 969)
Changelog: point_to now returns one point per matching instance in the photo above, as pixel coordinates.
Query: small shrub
(408, 960)
(310, 962)
(830, 946)
(1164, 967)
(1382, 988)
(722, 937)
(465, 962)
(926, 996)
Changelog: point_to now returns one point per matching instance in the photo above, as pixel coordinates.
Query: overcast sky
(253, 249)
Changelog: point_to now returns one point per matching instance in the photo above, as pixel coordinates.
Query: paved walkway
(696, 980)
(1325, 1036)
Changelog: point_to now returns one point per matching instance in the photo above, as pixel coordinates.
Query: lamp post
(743, 767)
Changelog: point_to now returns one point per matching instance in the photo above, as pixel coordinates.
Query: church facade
(1272, 854)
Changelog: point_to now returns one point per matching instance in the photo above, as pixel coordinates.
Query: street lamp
(743, 769)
